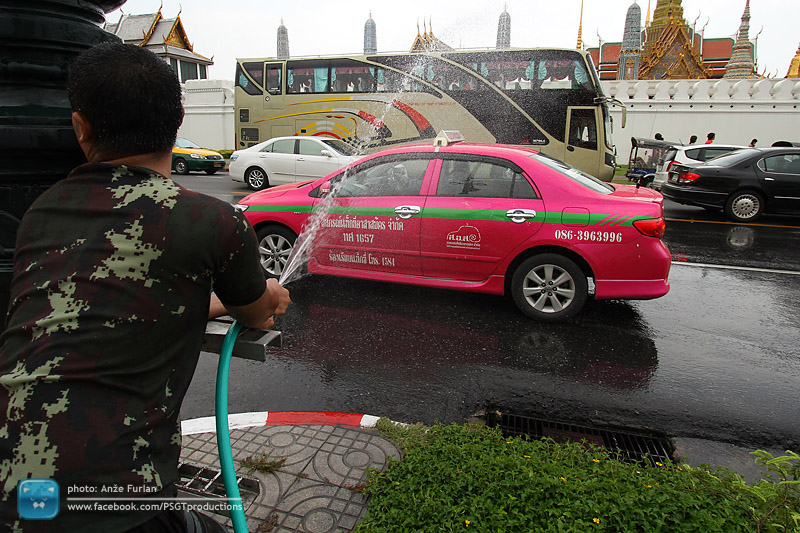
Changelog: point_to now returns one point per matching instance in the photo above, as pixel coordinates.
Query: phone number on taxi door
(590, 236)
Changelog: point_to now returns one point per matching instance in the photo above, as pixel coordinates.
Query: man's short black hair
(130, 96)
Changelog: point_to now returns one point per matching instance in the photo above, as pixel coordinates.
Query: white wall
(736, 110)
(208, 119)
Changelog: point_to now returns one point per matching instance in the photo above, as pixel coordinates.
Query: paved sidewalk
(318, 487)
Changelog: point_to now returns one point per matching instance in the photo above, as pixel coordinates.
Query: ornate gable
(672, 55)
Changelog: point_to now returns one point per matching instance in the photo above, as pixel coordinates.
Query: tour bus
(547, 99)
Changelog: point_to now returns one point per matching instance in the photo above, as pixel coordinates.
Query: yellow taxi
(187, 156)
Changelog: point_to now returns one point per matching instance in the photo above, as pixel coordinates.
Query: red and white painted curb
(208, 424)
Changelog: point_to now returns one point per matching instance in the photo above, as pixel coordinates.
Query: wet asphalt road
(716, 358)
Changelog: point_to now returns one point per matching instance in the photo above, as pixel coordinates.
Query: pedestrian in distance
(692, 139)
(753, 143)
(112, 288)
(710, 137)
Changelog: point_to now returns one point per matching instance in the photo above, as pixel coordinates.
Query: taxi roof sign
(447, 137)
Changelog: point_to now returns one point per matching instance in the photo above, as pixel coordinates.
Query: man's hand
(259, 314)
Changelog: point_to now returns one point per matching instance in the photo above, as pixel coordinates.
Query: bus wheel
(180, 166)
(256, 178)
(549, 287)
(275, 244)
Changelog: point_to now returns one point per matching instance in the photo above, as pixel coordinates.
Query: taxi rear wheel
(275, 244)
(549, 287)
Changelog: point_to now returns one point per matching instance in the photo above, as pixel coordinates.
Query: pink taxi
(487, 218)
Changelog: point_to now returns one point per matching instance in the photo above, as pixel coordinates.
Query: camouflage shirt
(113, 270)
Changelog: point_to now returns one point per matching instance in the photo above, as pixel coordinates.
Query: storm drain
(208, 483)
(628, 445)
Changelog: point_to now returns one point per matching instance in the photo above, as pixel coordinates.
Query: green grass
(472, 478)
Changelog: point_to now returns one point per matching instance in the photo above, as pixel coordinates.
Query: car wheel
(549, 287)
(744, 206)
(180, 166)
(211, 171)
(275, 244)
(256, 178)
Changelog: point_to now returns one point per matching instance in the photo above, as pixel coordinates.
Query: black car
(744, 184)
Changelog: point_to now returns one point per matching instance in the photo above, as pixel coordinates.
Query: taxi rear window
(590, 182)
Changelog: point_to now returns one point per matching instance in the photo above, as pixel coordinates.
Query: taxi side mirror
(326, 153)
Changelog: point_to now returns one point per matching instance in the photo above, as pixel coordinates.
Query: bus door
(582, 138)
(273, 86)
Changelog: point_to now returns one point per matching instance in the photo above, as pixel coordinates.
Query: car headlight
(241, 207)
(198, 156)
(234, 157)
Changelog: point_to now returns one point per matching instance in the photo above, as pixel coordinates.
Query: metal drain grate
(208, 483)
(630, 445)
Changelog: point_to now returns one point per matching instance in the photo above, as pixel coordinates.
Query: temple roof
(669, 51)
(427, 42)
(165, 37)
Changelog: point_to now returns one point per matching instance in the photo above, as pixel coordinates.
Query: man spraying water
(113, 272)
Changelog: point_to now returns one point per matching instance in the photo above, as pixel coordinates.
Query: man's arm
(259, 314)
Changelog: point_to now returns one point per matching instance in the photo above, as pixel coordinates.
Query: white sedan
(289, 160)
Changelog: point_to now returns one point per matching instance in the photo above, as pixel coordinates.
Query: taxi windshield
(590, 182)
(185, 143)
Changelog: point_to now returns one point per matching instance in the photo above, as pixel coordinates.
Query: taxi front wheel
(275, 245)
(549, 287)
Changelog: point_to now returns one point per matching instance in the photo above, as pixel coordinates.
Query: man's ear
(84, 132)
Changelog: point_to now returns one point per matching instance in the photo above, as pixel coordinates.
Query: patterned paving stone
(318, 487)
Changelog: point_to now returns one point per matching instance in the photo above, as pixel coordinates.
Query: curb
(208, 424)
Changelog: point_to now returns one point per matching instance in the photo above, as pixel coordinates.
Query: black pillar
(38, 38)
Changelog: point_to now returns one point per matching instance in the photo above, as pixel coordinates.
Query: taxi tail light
(651, 227)
(671, 164)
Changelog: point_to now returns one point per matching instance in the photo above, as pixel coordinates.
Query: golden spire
(647, 18)
(579, 46)
(794, 66)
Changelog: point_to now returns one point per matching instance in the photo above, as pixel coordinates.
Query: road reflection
(415, 333)
(734, 244)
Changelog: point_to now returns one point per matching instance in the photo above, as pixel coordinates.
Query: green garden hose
(223, 432)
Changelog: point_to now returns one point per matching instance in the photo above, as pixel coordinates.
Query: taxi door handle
(407, 211)
(301, 159)
(520, 215)
(769, 179)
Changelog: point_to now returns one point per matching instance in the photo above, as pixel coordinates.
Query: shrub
(472, 478)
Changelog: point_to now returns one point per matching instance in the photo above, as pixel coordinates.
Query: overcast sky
(244, 28)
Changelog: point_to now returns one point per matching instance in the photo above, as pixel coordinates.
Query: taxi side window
(396, 177)
(481, 179)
